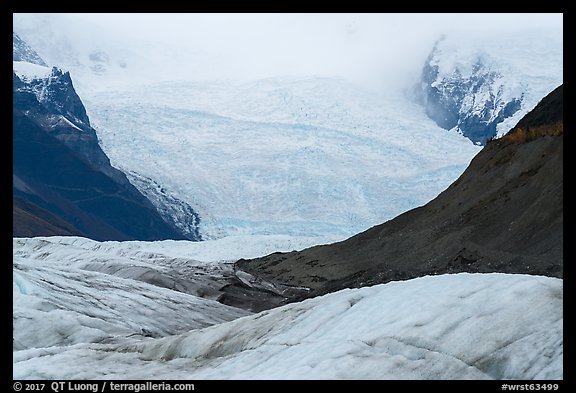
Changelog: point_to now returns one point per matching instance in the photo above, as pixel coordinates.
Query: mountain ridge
(503, 214)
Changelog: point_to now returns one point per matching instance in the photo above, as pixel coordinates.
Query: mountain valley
(191, 201)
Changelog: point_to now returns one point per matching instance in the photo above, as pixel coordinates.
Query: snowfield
(74, 323)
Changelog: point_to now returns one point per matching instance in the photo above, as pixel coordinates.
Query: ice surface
(79, 251)
(288, 156)
(451, 326)
(196, 268)
(292, 155)
(61, 298)
(279, 156)
(464, 326)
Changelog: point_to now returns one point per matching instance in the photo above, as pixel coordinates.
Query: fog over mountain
(372, 47)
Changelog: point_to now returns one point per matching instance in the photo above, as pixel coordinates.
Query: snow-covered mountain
(63, 181)
(100, 323)
(293, 155)
(283, 155)
(481, 86)
(21, 51)
(76, 46)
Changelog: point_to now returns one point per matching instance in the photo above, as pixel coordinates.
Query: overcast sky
(256, 45)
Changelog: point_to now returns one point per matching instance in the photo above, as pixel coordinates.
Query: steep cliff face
(504, 214)
(53, 103)
(63, 182)
(51, 176)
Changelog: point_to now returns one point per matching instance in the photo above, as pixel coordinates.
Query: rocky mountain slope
(504, 214)
(63, 182)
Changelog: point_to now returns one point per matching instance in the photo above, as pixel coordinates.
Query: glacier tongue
(464, 326)
(289, 156)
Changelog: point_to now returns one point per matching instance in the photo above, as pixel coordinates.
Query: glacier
(75, 320)
(275, 164)
(281, 156)
(285, 155)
